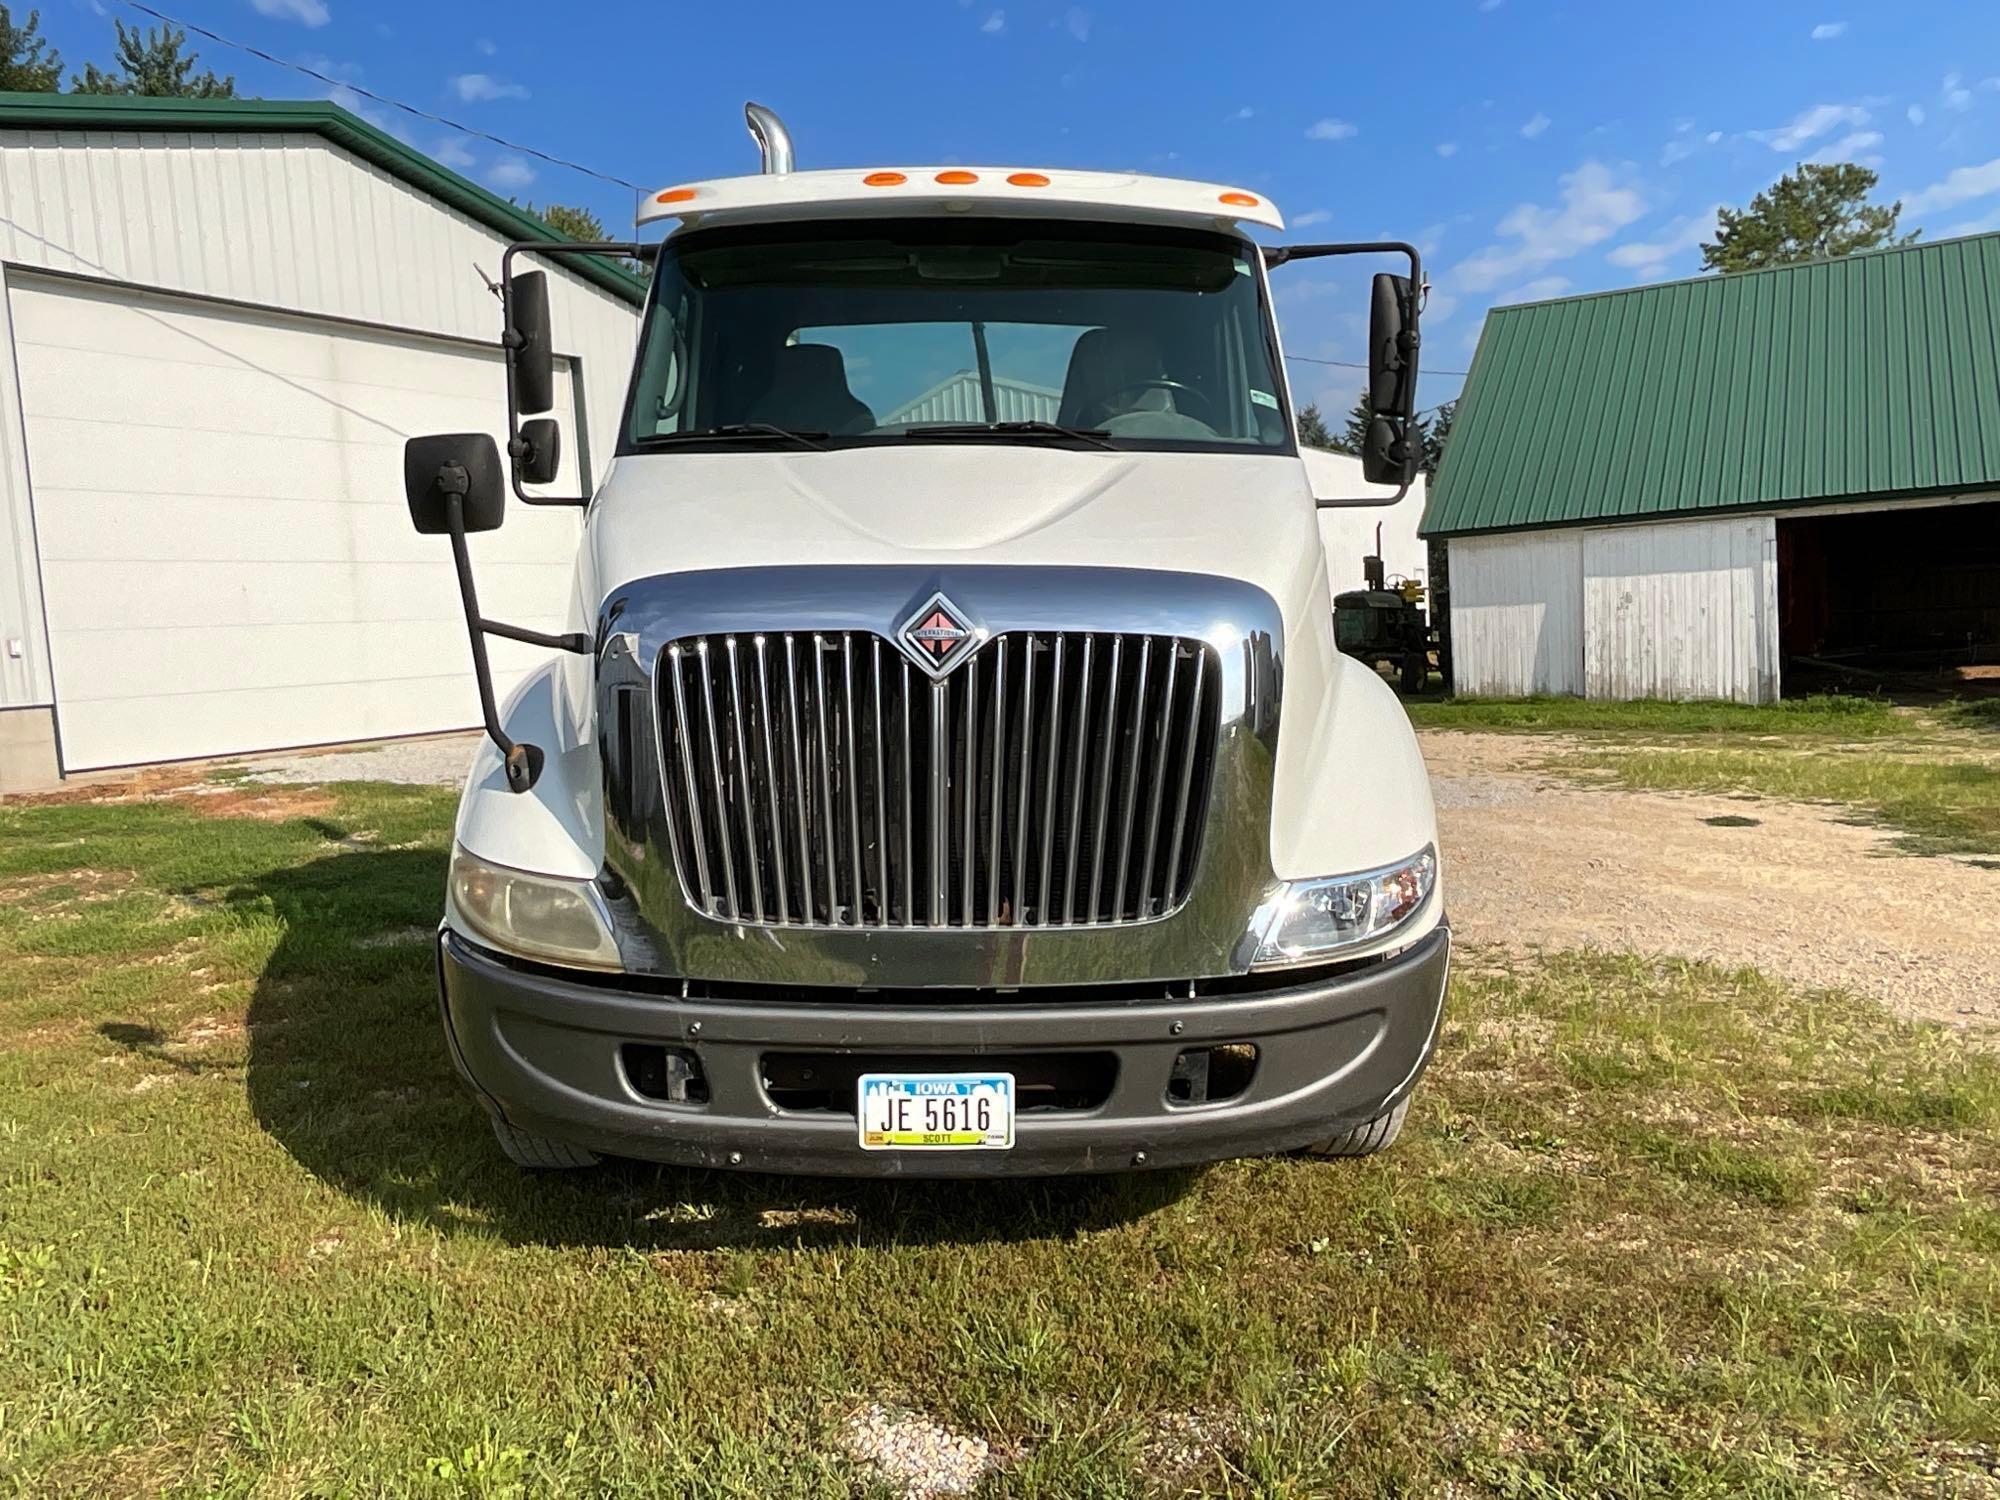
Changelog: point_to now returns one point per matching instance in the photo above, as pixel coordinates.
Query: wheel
(1416, 672)
(538, 1153)
(1364, 1139)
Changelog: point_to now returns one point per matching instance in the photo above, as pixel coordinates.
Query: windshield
(886, 332)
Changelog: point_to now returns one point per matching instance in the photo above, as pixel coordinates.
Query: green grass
(1655, 1228)
(1939, 805)
(1825, 714)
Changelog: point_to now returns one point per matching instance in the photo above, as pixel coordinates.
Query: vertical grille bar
(1104, 788)
(1022, 803)
(851, 774)
(968, 857)
(1159, 780)
(768, 724)
(1044, 897)
(996, 785)
(718, 787)
(881, 794)
(800, 798)
(1077, 786)
(746, 801)
(1024, 784)
(705, 895)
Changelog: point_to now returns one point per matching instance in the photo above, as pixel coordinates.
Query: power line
(383, 99)
(1345, 364)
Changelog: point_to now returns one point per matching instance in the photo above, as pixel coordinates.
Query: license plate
(936, 1111)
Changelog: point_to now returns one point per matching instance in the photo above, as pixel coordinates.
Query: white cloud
(1491, 4)
(486, 46)
(451, 152)
(1647, 259)
(1245, 112)
(1316, 216)
(994, 24)
(509, 175)
(1538, 290)
(1954, 92)
(1077, 19)
(1714, 138)
(1915, 114)
(1960, 185)
(1329, 130)
(477, 88)
(1673, 151)
(1535, 126)
(305, 12)
(1810, 124)
(1447, 148)
(1595, 206)
(1826, 31)
(1848, 148)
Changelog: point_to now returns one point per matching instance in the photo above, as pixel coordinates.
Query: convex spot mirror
(538, 451)
(465, 465)
(530, 346)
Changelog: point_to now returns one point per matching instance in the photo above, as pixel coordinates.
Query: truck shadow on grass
(348, 1072)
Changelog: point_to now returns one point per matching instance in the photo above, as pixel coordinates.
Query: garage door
(227, 562)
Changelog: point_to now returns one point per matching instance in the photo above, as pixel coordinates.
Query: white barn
(219, 320)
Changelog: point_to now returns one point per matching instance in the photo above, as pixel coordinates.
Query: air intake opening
(825, 1082)
(671, 1075)
(1211, 1075)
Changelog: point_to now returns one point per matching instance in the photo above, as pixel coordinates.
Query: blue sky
(1532, 148)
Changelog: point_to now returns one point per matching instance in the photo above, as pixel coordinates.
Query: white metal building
(1687, 490)
(219, 320)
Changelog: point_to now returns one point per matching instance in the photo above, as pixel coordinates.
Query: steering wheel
(1174, 388)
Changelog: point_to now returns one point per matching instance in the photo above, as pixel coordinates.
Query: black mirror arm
(512, 340)
(524, 762)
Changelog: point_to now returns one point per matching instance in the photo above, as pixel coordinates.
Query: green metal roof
(1871, 376)
(310, 117)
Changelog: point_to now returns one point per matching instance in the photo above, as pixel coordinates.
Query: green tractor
(1384, 626)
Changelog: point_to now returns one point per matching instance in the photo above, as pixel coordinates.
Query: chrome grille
(819, 779)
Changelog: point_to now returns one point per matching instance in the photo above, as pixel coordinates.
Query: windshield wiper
(1096, 435)
(728, 431)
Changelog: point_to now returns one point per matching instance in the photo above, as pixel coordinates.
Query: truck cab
(949, 768)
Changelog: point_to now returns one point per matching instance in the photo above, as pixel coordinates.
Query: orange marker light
(1238, 200)
(884, 179)
(957, 178)
(1028, 179)
(675, 195)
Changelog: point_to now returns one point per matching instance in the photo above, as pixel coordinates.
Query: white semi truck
(949, 769)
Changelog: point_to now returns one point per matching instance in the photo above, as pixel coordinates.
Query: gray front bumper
(1333, 1052)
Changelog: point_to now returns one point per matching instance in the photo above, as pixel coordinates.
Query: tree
(151, 63)
(1809, 214)
(27, 64)
(1435, 433)
(1312, 428)
(1352, 440)
(571, 223)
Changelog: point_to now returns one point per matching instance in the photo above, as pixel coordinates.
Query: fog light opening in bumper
(668, 1075)
(1211, 1075)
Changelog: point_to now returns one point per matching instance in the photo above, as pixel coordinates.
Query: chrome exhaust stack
(773, 140)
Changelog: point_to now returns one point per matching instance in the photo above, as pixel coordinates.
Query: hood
(1248, 517)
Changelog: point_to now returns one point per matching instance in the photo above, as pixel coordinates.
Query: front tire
(1416, 673)
(1365, 1139)
(538, 1153)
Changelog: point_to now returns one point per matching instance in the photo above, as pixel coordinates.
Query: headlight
(1315, 919)
(537, 916)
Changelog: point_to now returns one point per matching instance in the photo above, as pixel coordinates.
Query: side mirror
(530, 346)
(538, 451)
(1388, 454)
(454, 465)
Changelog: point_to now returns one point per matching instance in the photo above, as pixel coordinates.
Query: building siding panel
(281, 219)
(1517, 614)
(1681, 610)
